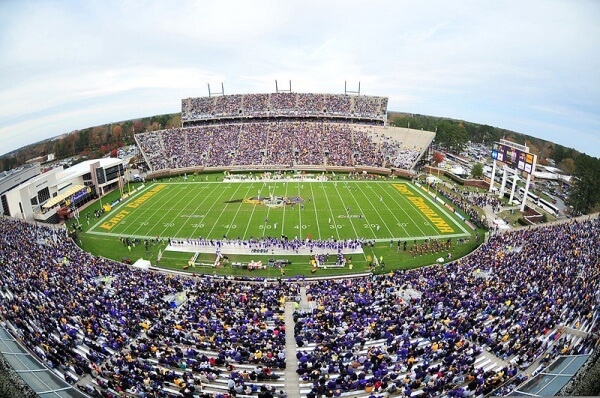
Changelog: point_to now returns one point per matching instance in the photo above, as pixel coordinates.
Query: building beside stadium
(52, 196)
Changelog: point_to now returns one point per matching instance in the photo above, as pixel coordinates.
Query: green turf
(331, 209)
(339, 210)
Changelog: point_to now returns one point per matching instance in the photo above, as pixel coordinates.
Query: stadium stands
(515, 298)
(459, 329)
(281, 143)
(249, 106)
(283, 130)
(83, 315)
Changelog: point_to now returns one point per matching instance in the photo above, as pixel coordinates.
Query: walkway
(292, 386)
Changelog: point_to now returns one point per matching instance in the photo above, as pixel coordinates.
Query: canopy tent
(142, 264)
(60, 197)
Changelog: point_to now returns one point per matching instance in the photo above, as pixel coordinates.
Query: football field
(317, 210)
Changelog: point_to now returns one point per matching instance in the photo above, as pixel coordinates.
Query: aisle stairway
(292, 386)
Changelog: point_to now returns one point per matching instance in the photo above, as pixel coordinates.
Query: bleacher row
(364, 382)
(475, 324)
(284, 104)
(284, 144)
(466, 334)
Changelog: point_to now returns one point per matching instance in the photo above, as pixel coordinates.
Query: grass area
(383, 212)
(511, 218)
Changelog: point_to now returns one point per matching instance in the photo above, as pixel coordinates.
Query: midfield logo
(270, 201)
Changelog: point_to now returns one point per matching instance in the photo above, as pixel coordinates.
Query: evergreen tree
(585, 194)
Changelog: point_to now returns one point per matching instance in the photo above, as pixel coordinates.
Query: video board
(513, 157)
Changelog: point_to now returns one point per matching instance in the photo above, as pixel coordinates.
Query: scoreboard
(514, 157)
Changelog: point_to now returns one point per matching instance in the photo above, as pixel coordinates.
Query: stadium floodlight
(346, 91)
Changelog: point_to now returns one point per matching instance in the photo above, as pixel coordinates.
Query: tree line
(92, 142)
(452, 135)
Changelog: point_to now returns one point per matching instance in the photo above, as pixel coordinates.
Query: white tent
(432, 179)
(142, 264)
(458, 170)
(501, 224)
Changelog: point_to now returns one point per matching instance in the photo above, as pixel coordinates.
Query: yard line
(337, 231)
(316, 212)
(143, 215)
(197, 193)
(137, 215)
(167, 213)
(213, 205)
(268, 208)
(375, 208)
(345, 207)
(387, 192)
(300, 212)
(362, 212)
(406, 202)
(109, 215)
(284, 207)
(206, 197)
(183, 224)
(252, 213)
(239, 207)
(442, 209)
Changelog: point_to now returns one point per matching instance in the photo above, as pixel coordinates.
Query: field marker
(345, 208)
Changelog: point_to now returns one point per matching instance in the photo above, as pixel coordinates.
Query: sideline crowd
(416, 332)
(513, 297)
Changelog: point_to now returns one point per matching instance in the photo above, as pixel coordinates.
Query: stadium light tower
(278, 90)
(346, 91)
(211, 93)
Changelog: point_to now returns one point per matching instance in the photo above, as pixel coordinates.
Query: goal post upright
(221, 93)
(346, 91)
(281, 90)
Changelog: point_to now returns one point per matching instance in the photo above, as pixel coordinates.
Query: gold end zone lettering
(107, 225)
(136, 203)
(114, 220)
(403, 189)
(427, 211)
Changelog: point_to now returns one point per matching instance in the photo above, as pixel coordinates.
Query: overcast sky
(528, 66)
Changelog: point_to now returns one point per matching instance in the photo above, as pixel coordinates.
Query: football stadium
(284, 245)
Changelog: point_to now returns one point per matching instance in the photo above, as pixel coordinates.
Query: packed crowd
(200, 346)
(57, 297)
(415, 332)
(512, 298)
(134, 330)
(276, 143)
(468, 202)
(283, 104)
(227, 105)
